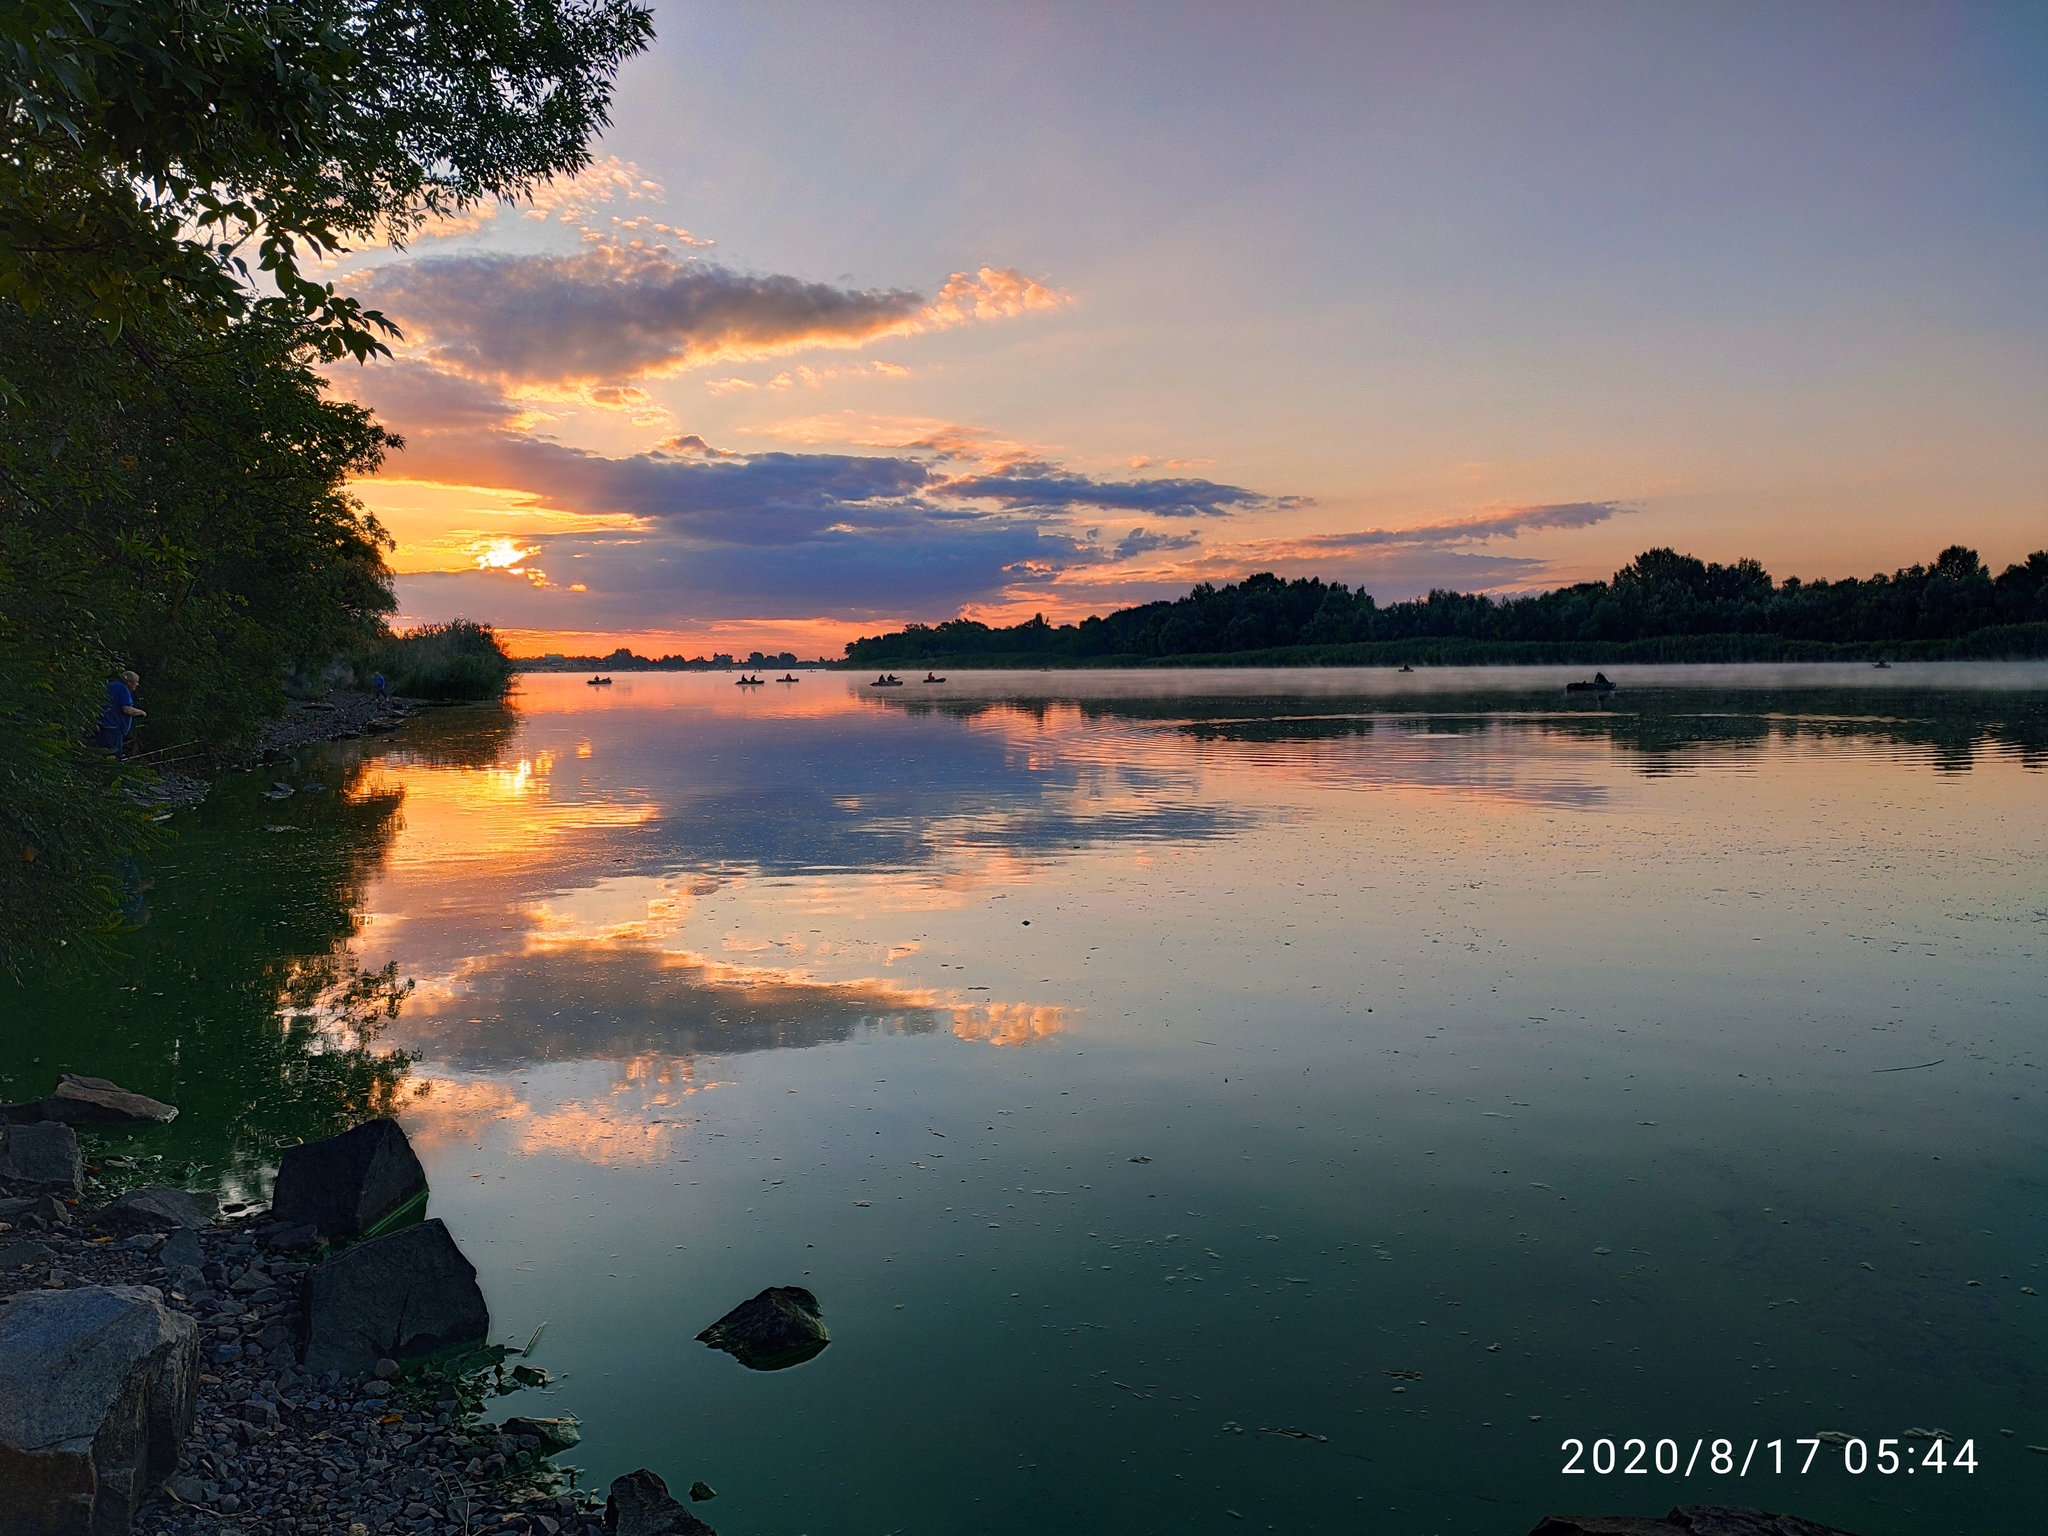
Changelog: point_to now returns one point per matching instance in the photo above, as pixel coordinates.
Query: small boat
(933, 678)
(600, 682)
(1406, 668)
(887, 680)
(789, 677)
(1601, 684)
(1884, 666)
(748, 682)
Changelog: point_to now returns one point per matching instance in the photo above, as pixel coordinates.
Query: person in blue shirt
(377, 681)
(120, 715)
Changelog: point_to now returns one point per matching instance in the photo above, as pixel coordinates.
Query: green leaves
(173, 486)
(145, 145)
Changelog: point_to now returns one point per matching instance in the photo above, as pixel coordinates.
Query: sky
(871, 314)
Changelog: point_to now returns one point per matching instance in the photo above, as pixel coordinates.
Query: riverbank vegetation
(456, 661)
(173, 481)
(1661, 607)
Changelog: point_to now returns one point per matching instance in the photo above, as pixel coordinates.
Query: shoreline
(184, 780)
(317, 1366)
(2012, 642)
(2007, 643)
(273, 1449)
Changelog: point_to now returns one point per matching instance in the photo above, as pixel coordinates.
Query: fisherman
(120, 715)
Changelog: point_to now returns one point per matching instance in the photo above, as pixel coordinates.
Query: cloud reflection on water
(613, 1002)
(676, 871)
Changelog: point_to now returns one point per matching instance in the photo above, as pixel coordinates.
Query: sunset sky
(876, 313)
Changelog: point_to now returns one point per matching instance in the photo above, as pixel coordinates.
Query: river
(1292, 1100)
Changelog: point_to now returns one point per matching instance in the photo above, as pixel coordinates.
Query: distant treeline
(624, 660)
(1662, 606)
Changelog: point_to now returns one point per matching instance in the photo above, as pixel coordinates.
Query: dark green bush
(457, 660)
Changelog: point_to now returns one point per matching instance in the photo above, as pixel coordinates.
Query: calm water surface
(1138, 1066)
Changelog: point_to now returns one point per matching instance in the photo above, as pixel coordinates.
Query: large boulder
(42, 1154)
(399, 1297)
(640, 1505)
(349, 1185)
(1685, 1520)
(156, 1209)
(97, 1387)
(780, 1327)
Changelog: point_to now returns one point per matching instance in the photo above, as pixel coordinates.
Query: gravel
(274, 1450)
(337, 717)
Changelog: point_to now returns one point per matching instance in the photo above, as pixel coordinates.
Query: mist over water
(1288, 1100)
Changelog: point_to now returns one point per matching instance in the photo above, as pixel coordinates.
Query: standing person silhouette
(120, 715)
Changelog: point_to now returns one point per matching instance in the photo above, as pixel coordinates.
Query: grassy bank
(2003, 642)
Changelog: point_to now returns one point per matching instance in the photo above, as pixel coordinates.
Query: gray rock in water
(779, 1328)
(346, 1185)
(553, 1434)
(1685, 1520)
(640, 1505)
(95, 1101)
(399, 1297)
(43, 1153)
(97, 1387)
(156, 1209)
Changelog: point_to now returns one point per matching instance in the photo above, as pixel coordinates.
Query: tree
(149, 148)
(173, 486)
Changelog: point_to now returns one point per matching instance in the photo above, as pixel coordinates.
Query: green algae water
(1292, 1101)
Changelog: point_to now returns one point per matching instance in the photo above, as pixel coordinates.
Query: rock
(701, 1490)
(43, 1153)
(640, 1505)
(51, 1211)
(97, 1387)
(95, 1101)
(17, 1255)
(385, 1370)
(777, 1329)
(553, 1434)
(157, 1209)
(398, 1297)
(15, 1207)
(347, 1185)
(1685, 1520)
(250, 1281)
(292, 1239)
(181, 1250)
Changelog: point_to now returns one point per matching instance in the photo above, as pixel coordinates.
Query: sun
(501, 554)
